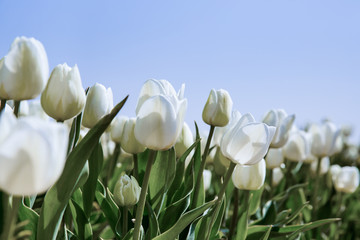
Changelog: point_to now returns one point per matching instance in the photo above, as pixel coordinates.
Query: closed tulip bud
(297, 148)
(24, 70)
(274, 158)
(217, 109)
(160, 114)
(32, 154)
(324, 138)
(184, 141)
(128, 141)
(347, 180)
(64, 96)
(249, 177)
(127, 191)
(207, 179)
(324, 166)
(117, 128)
(99, 102)
(247, 141)
(283, 123)
(277, 176)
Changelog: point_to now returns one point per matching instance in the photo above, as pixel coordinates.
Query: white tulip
(324, 166)
(334, 170)
(249, 177)
(277, 176)
(347, 180)
(283, 123)
(24, 70)
(184, 141)
(127, 191)
(207, 179)
(220, 131)
(217, 109)
(32, 154)
(64, 96)
(117, 128)
(99, 102)
(324, 138)
(297, 148)
(128, 141)
(160, 114)
(274, 158)
(247, 141)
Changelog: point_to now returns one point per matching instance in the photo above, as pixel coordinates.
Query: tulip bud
(128, 141)
(32, 154)
(297, 147)
(127, 191)
(249, 177)
(274, 158)
(347, 180)
(324, 166)
(324, 138)
(184, 141)
(160, 114)
(217, 109)
(207, 179)
(99, 102)
(247, 141)
(283, 123)
(117, 128)
(24, 70)
(277, 176)
(64, 96)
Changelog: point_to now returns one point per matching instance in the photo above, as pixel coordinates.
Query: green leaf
(153, 222)
(162, 175)
(270, 214)
(293, 215)
(312, 225)
(259, 232)
(27, 214)
(242, 225)
(74, 132)
(59, 194)
(95, 161)
(255, 203)
(184, 221)
(81, 223)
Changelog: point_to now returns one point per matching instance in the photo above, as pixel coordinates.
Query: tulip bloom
(324, 138)
(24, 70)
(128, 141)
(99, 102)
(32, 154)
(283, 123)
(220, 131)
(217, 109)
(127, 191)
(324, 166)
(347, 180)
(184, 141)
(249, 177)
(247, 141)
(277, 176)
(274, 158)
(297, 147)
(160, 114)
(64, 96)
(207, 179)
(117, 128)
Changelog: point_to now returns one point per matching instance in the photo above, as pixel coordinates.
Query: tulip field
(73, 167)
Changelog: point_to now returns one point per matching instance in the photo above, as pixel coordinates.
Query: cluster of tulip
(67, 177)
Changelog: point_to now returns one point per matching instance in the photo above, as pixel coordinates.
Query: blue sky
(303, 56)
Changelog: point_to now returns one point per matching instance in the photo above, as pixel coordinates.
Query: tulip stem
(3, 105)
(202, 167)
(144, 187)
(316, 190)
(136, 166)
(125, 221)
(16, 108)
(220, 198)
(11, 218)
(235, 214)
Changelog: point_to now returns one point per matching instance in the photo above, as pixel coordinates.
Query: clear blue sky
(300, 55)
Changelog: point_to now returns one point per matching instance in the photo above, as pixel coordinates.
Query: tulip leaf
(184, 221)
(255, 203)
(27, 214)
(269, 215)
(74, 132)
(242, 225)
(81, 223)
(153, 223)
(162, 175)
(95, 161)
(293, 215)
(259, 232)
(59, 194)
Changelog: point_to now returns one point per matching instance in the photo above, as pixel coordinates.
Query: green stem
(11, 218)
(2, 105)
(136, 166)
(316, 190)
(17, 108)
(125, 221)
(220, 197)
(141, 204)
(202, 167)
(235, 214)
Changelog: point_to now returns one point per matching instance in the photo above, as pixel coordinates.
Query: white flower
(277, 176)
(117, 128)
(324, 166)
(219, 131)
(347, 180)
(247, 141)
(64, 95)
(297, 147)
(24, 70)
(127, 191)
(32, 154)
(324, 138)
(249, 177)
(128, 141)
(207, 179)
(274, 158)
(184, 141)
(217, 109)
(160, 114)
